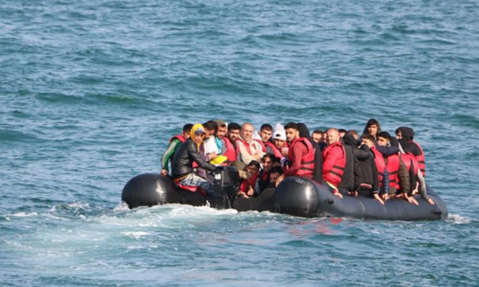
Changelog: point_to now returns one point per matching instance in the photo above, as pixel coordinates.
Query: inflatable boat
(295, 196)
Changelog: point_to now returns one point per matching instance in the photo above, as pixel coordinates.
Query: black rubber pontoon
(295, 196)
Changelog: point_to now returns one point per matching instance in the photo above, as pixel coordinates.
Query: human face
(291, 135)
(221, 132)
(233, 135)
(279, 143)
(382, 141)
(373, 130)
(332, 136)
(265, 135)
(199, 138)
(186, 135)
(273, 177)
(267, 164)
(209, 133)
(317, 137)
(399, 135)
(247, 132)
(252, 169)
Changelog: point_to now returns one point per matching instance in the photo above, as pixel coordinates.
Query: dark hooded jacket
(318, 158)
(407, 141)
(349, 177)
(186, 154)
(365, 171)
(403, 173)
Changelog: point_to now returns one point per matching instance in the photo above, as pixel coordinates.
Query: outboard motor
(227, 182)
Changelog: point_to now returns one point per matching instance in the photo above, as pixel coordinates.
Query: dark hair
(370, 123)
(342, 131)
(368, 137)
(187, 128)
(267, 127)
(352, 132)
(276, 160)
(276, 169)
(211, 125)
(385, 135)
(268, 155)
(318, 132)
(255, 163)
(291, 125)
(234, 126)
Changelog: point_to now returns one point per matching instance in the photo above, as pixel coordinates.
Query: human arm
(387, 151)
(194, 154)
(298, 150)
(170, 151)
(245, 156)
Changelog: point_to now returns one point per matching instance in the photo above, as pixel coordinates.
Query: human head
(265, 132)
(384, 138)
(253, 167)
(367, 140)
(187, 130)
(342, 132)
(211, 127)
(354, 133)
(317, 136)
(247, 131)
(274, 173)
(372, 127)
(222, 128)
(291, 131)
(197, 133)
(398, 133)
(332, 136)
(276, 162)
(407, 133)
(279, 139)
(267, 161)
(233, 131)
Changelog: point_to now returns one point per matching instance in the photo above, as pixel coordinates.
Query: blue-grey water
(91, 91)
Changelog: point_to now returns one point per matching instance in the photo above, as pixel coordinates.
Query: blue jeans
(194, 180)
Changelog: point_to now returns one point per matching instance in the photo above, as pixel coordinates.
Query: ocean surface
(91, 91)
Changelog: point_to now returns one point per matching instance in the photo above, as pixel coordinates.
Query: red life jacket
(246, 145)
(263, 148)
(179, 137)
(392, 166)
(230, 150)
(380, 164)
(421, 161)
(411, 162)
(246, 184)
(335, 175)
(307, 161)
(276, 151)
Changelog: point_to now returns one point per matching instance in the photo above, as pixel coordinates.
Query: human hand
(163, 172)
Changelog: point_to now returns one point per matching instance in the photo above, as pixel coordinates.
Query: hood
(407, 133)
(349, 139)
(196, 128)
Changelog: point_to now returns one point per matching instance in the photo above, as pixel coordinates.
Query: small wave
(135, 234)
(23, 214)
(457, 219)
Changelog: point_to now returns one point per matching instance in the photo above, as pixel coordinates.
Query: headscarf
(197, 128)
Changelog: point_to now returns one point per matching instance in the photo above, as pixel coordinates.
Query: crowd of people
(373, 164)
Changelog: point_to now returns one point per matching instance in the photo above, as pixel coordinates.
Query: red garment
(380, 164)
(301, 155)
(411, 162)
(263, 148)
(392, 166)
(230, 150)
(277, 152)
(179, 137)
(334, 163)
(246, 184)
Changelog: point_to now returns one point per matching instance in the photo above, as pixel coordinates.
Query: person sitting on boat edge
(173, 145)
(406, 141)
(248, 149)
(301, 154)
(334, 161)
(399, 184)
(182, 166)
(318, 157)
(366, 172)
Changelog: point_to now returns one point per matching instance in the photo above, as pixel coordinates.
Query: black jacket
(406, 142)
(365, 167)
(186, 154)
